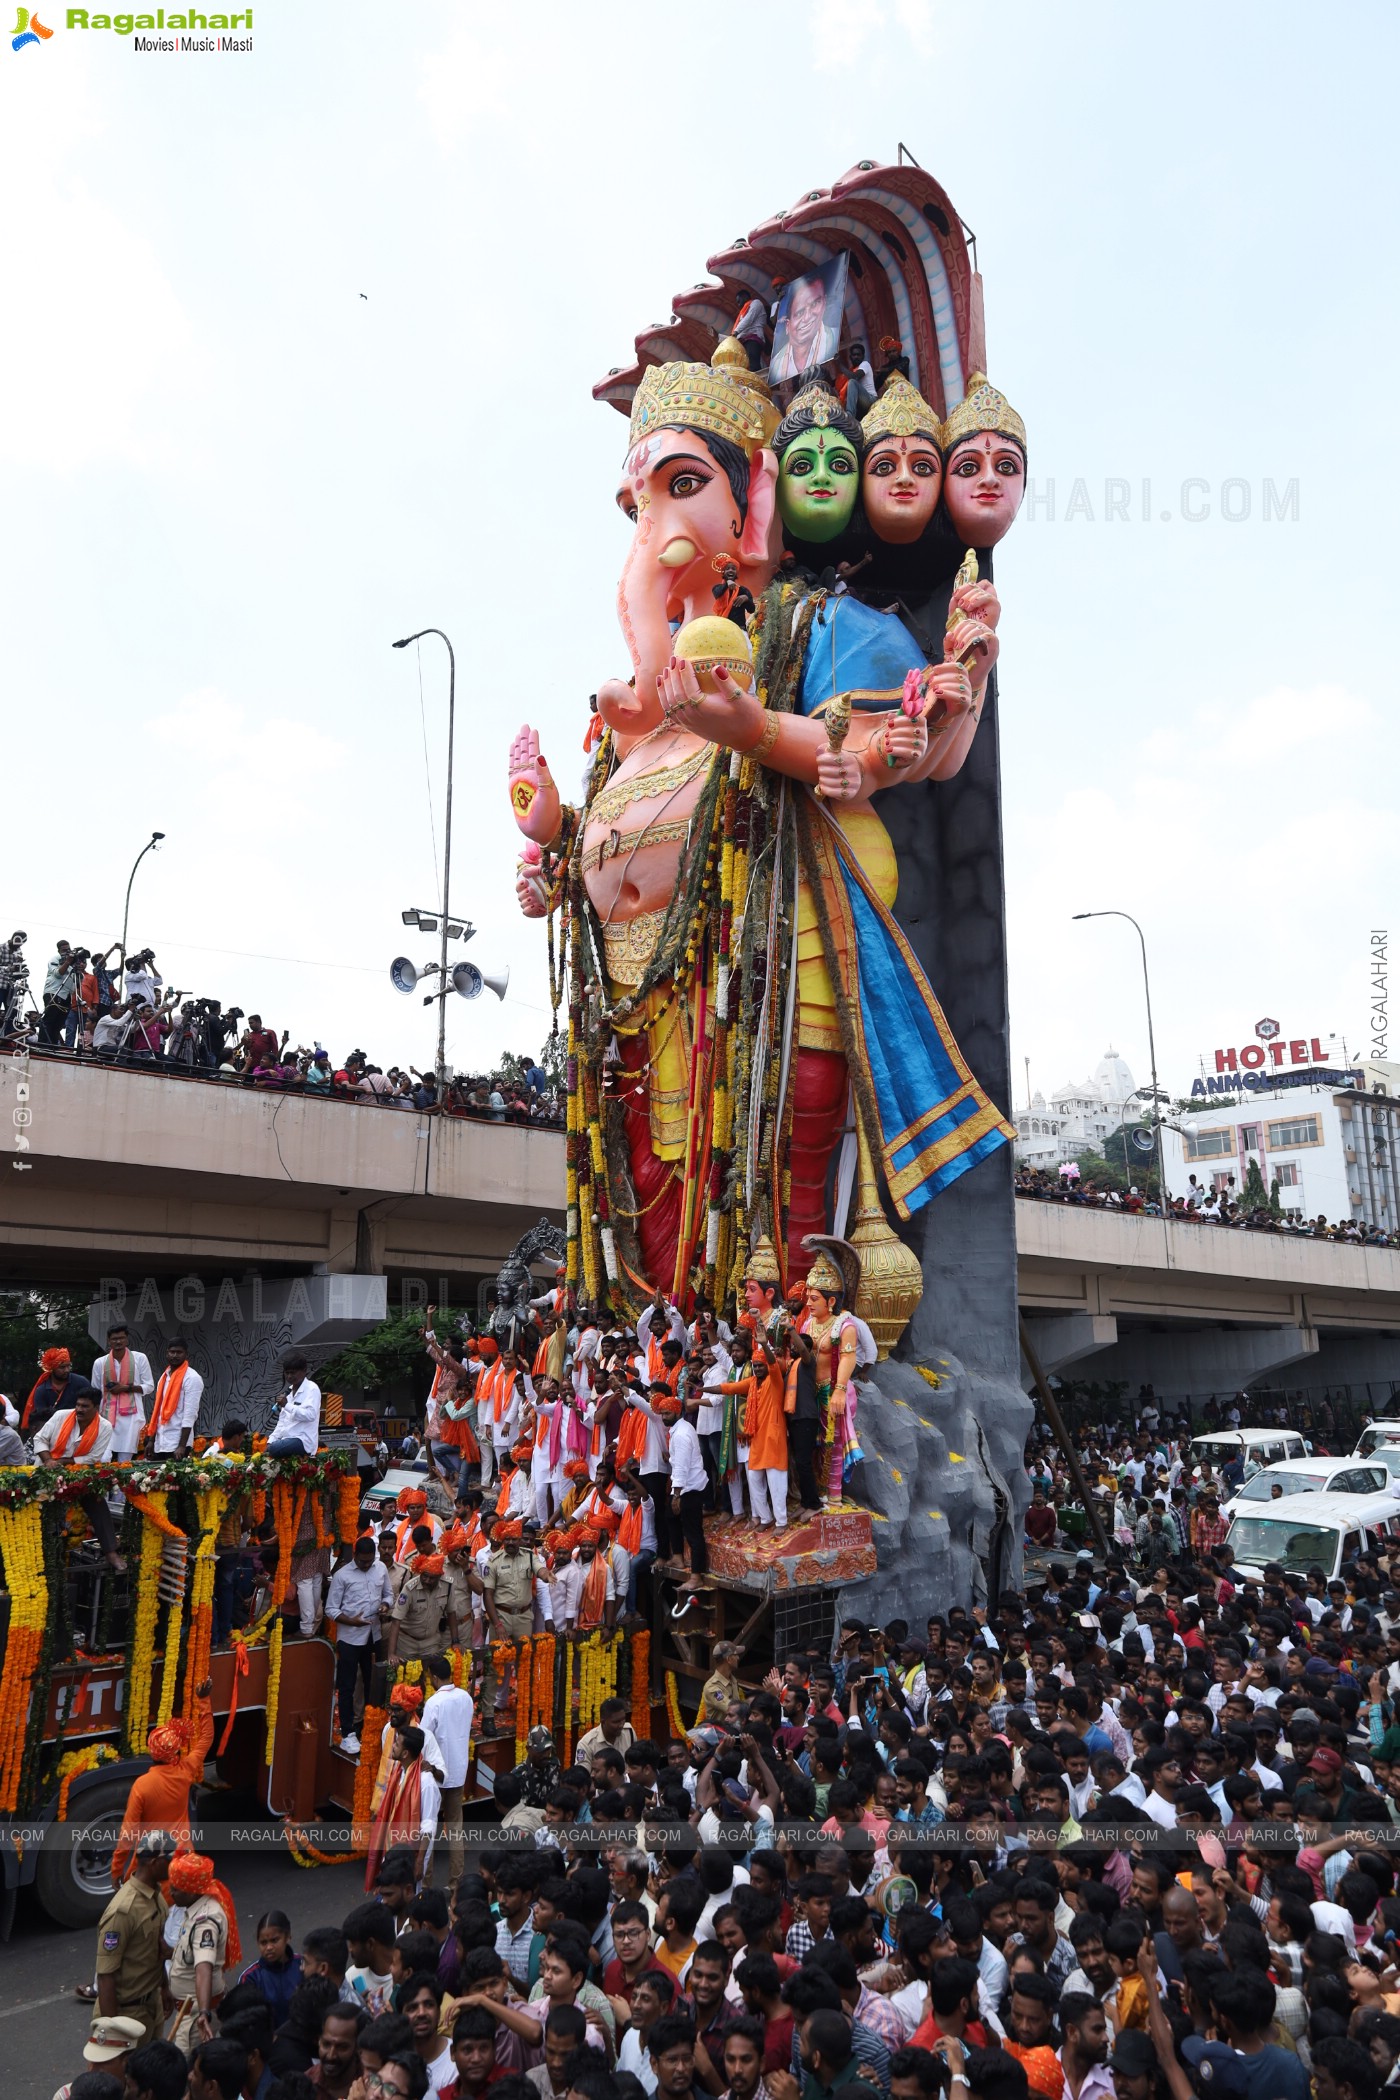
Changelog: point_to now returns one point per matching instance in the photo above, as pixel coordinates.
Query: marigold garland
(318, 1522)
(141, 1670)
(274, 1687)
(366, 1772)
(673, 1709)
(75, 1763)
(542, 1690)
(640, 1658)
(522, 1697)
(347, 1509)
(568, 1703)
(21, 1542)
(306, 1854)
(211, 1505)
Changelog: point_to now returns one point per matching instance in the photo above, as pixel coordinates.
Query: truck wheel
(73, 1882)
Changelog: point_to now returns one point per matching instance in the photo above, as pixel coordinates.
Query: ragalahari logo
(28, 30)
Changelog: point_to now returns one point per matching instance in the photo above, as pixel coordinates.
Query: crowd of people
(1133, 1831)
(1199, 1206)
(117, 1010)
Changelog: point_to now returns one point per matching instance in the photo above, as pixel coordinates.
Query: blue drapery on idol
(854, 649)
(935, 1120)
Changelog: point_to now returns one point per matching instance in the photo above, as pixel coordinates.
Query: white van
(1258, 1447)
(1374, 1435)
(1313, 1531)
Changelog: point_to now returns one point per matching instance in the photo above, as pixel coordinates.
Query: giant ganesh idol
(757, 1057)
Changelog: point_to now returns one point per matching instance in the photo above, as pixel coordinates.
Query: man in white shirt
(175, 1408)
(299, 1417)
(448, 1714)
(61, 1442)
(689, 1483)
(123, 1378)
(359, 1600)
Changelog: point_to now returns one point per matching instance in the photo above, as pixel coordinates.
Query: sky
(297, 360)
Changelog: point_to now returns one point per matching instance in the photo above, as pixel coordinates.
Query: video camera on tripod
(14, 987)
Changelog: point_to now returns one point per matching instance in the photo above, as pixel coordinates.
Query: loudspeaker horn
(404, 975)
(470, 981)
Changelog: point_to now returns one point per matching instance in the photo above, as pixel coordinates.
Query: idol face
(901, 482)
(818, 480)
(986, 480)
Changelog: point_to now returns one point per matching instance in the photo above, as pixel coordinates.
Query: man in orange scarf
(408, 1814)
(175, 1408)
(160, 1798)
(78, 1436)
(207, 1946)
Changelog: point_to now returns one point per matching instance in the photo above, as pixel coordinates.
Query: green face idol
(818, 481)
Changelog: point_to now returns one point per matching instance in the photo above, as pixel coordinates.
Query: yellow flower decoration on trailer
(22, 1543)
(76, 1762)
(274, 1686)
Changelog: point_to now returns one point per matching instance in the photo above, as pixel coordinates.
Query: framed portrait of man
(807, 326)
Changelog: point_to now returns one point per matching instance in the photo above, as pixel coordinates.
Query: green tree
(389, 1353)
(34, 1320)
(1119, 1167)
(1254, 1195)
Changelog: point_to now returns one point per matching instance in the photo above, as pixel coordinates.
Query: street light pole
(444, 981)
(154, 840)
(1151, 1044)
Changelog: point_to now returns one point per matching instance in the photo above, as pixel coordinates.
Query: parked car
(1325, 1476)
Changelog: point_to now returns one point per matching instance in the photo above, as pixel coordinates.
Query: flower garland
(211, 1506)
(274, 1687)
(542, 1688)
(347, 1509)
(20, 1486)
(306, 1854)
(640, 1657)
(461, 1661)
(366, 1772)
(587, 1682)
(76, 1762)
(568, 1703)
(21, 1542)
(522, 1698)
(673, 1709)
(142, 1654)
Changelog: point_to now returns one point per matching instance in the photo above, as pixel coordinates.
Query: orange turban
(192, 1875)
(169, 1742)
(554, 1542)
(455, 1539)
(521, 1451)
(576, 1469)
(410, 1498)
(54, 1359)
(513, 1530)
(410, 1695)
(604, 1520)
(591, 1538)
(427, 1564)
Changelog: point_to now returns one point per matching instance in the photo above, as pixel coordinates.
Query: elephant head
(699, 485)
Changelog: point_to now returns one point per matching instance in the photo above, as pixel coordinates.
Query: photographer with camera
(140, 977)
(187, 1049)
(60, 984)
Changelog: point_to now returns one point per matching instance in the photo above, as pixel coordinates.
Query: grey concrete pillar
(1205, 1360)
(237, 1330)
(1067, 1338)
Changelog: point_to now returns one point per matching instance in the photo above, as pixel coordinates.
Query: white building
(1329, 1144)
(1079, 1116)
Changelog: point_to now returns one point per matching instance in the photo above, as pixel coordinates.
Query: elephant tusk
(676, 553)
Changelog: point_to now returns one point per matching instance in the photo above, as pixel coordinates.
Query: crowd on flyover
(1199, 1206)
(118, 1010)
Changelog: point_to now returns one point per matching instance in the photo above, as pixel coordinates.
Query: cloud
(842, 29)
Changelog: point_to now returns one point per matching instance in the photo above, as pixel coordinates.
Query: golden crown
(901, 411)
(763, 1262)
(817, 401)
(982, 408)
(723, 397)
(824, 1276)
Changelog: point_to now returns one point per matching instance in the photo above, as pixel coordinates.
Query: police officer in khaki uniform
(425, 1617)
(510, 1585)
(130, 1950)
